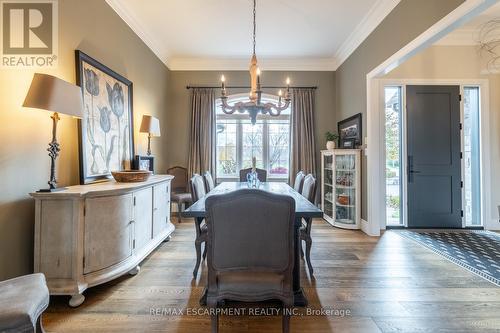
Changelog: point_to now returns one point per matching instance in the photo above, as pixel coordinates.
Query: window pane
(472, 186)
(226, 148)
(393, 154)
(279, 144)
(252, 140)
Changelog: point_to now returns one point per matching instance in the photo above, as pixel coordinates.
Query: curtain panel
(303, 150)
(202, 140)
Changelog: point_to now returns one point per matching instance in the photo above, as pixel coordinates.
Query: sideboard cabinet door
(161, 207)
(108, 231)
(143, 217)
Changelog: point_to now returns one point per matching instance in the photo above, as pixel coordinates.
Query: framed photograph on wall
(351, 129)
(106, 131)
(144, 163)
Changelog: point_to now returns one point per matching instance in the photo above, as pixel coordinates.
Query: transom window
(238, 141)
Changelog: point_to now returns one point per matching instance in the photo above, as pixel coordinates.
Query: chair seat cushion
(23, 301)
(246, 283)
(181, 197)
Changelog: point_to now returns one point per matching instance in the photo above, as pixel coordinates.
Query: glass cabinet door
(345, 189)
(328, 201)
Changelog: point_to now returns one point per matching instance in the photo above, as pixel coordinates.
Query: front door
(434, 158)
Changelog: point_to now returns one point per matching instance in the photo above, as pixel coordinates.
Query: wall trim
(375, 168)
(275, 64)
(139, 30)
(370, 22)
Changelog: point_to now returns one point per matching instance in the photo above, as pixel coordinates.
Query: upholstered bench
(22, 301)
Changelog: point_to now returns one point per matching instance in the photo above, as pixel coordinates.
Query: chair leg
(39, 326)
(205, 251)
(308, 256)
(198, 258)
(285, 326)
(301, 250)
(179, 210)
(215, 323)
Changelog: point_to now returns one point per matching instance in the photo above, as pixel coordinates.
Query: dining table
(304, 209)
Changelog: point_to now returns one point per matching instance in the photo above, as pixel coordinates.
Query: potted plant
(331, 138)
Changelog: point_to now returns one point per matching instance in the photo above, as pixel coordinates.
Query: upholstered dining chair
(179, 192)
(244, 263)
(198, 191)
(309, 192)
(299, 181)
(209, 181)
(261, 174)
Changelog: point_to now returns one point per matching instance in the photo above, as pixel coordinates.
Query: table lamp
(150, 125)
(50, 93)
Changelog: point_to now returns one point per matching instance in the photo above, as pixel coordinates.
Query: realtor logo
(29, 33)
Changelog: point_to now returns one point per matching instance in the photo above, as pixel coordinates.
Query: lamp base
(50, 190)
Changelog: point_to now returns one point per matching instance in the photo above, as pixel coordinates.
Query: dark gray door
(434, 162)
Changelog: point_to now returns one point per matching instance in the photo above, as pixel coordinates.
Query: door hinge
(461, 213)
(461, 126)
(460, 97)
(461, 155)
(462, 184)
(133, 244)
(135, 200)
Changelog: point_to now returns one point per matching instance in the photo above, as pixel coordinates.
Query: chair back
(180, 182)
(261, 174)
(309, 188)
(197, 187)
(209, 181)
(250, 230)
(299, 181)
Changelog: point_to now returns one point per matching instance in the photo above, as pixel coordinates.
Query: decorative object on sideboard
(351, 129)
(106, 130)
(131, 176)
(331, 139)
(52, 94)
(348, 144)
(144, 163)
(254, 105)
(150, 125)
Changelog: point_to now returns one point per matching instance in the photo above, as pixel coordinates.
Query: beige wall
(408, 20)
(93, 27)
(179, 115)
(462, 63)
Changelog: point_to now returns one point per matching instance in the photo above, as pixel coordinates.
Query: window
(238, 141)
(393, 178)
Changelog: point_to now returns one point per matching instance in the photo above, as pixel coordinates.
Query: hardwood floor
(389, 284)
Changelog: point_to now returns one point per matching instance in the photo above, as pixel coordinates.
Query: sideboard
(86, 235)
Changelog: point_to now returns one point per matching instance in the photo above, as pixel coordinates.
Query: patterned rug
(477, 251)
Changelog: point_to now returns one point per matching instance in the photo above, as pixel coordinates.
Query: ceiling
(216, 34)
(468, 34)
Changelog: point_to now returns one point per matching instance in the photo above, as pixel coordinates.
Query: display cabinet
(341, 187)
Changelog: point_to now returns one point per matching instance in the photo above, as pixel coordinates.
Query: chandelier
(254, 105)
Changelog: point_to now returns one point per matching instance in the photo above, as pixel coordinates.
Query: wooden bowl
(131, 176)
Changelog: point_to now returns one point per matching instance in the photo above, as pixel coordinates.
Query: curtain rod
(247, 87)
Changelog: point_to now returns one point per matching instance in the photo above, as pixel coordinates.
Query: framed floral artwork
(106, 131)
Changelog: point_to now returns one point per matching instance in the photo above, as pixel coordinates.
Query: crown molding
(267, 64)
(460, 37)
(372, 19)
(139, 30)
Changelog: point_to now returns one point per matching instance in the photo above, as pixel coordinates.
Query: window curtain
(202, 142)
(303, 147)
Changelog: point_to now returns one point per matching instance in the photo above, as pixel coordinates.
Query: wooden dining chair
(299, 181)
(261, 174)
(198, 191)
(244, 263)
(209, 181)
(179, 192)
(308, 192)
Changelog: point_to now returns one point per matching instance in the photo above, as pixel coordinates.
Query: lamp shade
(50, 93)
(151, 125)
